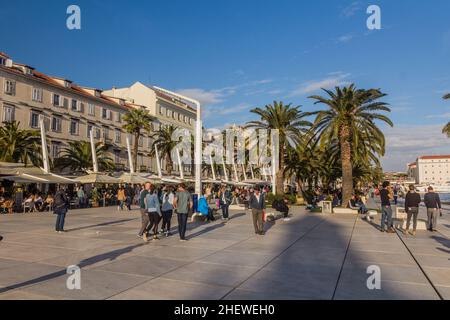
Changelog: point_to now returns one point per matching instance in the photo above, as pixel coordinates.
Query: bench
(339, 210)
(399, 220)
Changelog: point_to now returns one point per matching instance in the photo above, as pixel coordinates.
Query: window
(105, 133)
(65, 102)
(56, 99)
(118, 117)
(81, 107)
(74, 127)
(118, 136)
(174, 115)
(161, 110)
(190, 121)
(149, 143)
(37, 94)
(116, 156)
(141, 141)
(34, 120)
(106, 114)
(91, 109)
(74, 105)
(56, 148)
(185, 119)
(8, 113)
(2, 61)
(56, 124)
(10, 87)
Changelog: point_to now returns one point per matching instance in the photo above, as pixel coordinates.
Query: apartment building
(70, 111)
(432, 169)
(167, 109)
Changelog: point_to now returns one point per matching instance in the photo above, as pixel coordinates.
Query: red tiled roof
(4, 55)
(434, 157)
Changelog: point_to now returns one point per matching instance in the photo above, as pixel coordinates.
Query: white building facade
(432, 169)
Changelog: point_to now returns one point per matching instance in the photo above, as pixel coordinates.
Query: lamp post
(130, 159)
(198, 138)
(44, 145)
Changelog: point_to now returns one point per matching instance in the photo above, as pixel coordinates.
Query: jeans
(167, 217)
(145, 221)
(225, 211)
(121, 204)
(154, 218)
(386, 217)
(412, 212)
(60, 219)
(182, 222)
(258, 223)
(432, 214)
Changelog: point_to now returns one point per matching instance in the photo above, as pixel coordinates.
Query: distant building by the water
(430, 169)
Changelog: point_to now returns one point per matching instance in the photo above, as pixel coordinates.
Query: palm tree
(446, 129)
(78, 157)
(350, 119)
(135, 121)
(18, 145)
(163, 140)
(290, 123)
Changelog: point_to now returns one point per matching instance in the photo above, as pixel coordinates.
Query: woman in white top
(167, 210)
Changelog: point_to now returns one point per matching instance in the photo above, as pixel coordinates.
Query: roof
(4, 55)
(434, 157)
(51, 80)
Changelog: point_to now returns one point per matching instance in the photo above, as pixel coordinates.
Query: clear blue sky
(236, 55)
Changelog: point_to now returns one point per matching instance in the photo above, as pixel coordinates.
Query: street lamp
(198, 138)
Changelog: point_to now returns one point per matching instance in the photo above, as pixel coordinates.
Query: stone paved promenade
(313, 256)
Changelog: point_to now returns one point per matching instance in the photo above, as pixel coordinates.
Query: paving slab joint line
(345, 257)
(172, 270)
(301, 237)
(420, 267)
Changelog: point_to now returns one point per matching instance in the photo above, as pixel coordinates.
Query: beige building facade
(71, 111)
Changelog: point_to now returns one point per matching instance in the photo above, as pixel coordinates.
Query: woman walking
(121, 197)
(153, 209)
(167, 210)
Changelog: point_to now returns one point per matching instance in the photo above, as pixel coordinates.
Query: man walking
(60, 207)
(225, 199)
(258, 204)
(433, 204)
(182, 204)
(412, 201)
(144, 216)
(386, 210)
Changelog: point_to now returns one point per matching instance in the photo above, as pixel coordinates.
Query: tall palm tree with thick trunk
(78, 157)
(137, 121)
(446, 129)
(350, 118)
(163, 140)
(290, 123)
(18, 145)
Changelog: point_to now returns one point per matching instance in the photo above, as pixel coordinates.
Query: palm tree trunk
(347, 170)
(169, 164)
(135, 152)
(280, 173)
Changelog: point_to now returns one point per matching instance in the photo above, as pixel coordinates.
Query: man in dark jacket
(225, 199)
(433, 204)
(258, 204)
(412, 201)
(60, 207)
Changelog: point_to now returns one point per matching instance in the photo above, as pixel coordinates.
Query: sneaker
(390, 230)
(434, 230)
(155, 237)
(167, 234)
(287, 219)
(382, 230)
(183, 240)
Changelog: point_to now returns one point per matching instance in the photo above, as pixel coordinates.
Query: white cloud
(404, 143)
(438, 116)
(351, 9)
(205, 97)
(327, 83)
(345, 38)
